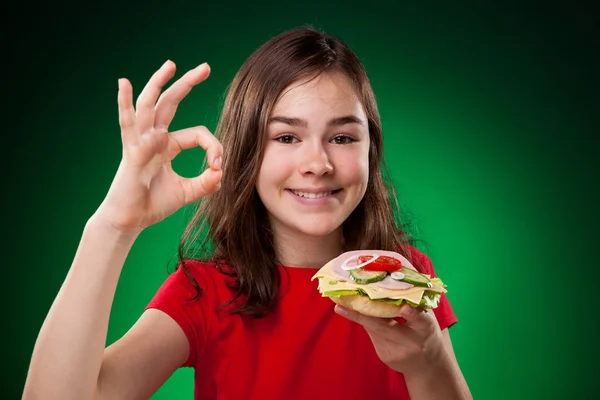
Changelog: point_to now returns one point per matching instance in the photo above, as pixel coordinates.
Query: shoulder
(203, 273)
(189, 296)
(190, 279)
(194, 288)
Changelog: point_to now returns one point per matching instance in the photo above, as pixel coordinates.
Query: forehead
(325, 94)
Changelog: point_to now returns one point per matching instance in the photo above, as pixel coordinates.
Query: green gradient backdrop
(490, 115)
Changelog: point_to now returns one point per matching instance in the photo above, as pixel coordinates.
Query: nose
(315, 160)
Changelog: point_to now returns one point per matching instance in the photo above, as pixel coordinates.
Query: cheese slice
(328, 285)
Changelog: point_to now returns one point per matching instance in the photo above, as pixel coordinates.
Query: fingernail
(217, 162)
(408, 311)
(341, 310)
(201, 65)
(165, 64)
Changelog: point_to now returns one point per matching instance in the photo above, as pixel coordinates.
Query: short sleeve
(174, 298)
(444, 312)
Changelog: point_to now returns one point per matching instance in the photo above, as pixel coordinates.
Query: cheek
(353, 167)
(274, 170)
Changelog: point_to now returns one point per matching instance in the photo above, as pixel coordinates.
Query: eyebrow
(294, 121)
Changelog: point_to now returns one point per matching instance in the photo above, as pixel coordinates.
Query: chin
(317, 229)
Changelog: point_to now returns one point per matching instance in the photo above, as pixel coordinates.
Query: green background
(490, 116)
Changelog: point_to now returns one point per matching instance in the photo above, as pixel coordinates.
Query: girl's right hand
(145, 189)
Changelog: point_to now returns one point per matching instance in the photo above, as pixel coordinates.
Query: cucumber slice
(360, 275)
(413, 277)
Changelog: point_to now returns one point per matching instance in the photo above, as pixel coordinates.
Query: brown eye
(286, 139)
(342, 139)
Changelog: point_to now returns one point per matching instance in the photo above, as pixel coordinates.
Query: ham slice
(391, 283)
(387, 283)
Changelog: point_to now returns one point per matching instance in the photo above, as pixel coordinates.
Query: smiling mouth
(308, 195)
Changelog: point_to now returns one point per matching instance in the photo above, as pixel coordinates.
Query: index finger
(417, 318)
(193, 137)
(375, 324)
(169, 101)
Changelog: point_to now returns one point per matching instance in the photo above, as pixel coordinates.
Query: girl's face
(316, 161)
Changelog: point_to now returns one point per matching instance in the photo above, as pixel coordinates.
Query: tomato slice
(382, 263)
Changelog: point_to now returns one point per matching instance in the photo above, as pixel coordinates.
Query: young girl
(293, 180)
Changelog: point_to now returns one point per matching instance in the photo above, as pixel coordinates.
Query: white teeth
(311, 195)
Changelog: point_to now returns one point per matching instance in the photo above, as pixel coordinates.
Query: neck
(303, 251)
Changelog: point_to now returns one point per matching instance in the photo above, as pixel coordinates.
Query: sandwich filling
(380, 275)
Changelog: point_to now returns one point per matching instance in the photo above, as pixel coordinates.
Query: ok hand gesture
(145, 189)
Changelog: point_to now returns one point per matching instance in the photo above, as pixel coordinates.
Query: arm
(69, 349)
(140, 362)
(69, 360)
(442, 381)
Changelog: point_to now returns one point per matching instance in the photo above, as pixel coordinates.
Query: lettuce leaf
(429, 300)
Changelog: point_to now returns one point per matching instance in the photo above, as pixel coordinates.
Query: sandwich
(377, 283)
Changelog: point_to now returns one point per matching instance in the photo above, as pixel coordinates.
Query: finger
(195, 188)
(379, 329)
(127, 121)
(194, 137)
(169, 101)
(402, 320)
(418, 319)
(374, 324)
(147, 99)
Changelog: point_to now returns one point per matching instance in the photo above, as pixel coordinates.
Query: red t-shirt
(302, 350)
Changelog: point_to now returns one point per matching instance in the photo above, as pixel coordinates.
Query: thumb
(208, 182)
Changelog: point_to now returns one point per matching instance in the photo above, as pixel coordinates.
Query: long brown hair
(233, 221)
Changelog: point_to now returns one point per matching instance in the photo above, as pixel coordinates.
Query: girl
(293, 180)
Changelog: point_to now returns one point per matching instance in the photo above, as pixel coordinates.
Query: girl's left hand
(407, 347)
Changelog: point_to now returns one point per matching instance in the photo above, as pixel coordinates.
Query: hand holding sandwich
(408, 347)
